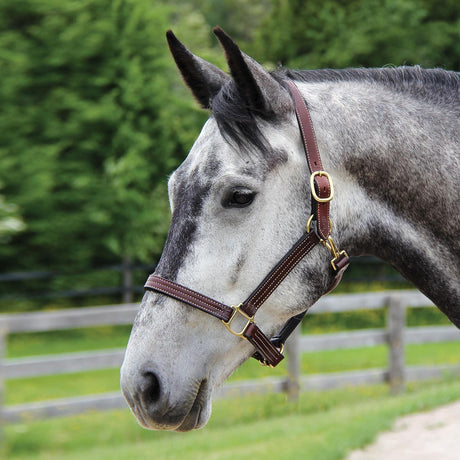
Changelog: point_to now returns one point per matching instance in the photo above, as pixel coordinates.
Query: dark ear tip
(173, 41)
(171, 37)
(221, 35)
(225, 40)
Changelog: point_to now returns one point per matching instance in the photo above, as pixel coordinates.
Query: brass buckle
(329, 244)
(237, 309)
(336, 253)
(312, 186)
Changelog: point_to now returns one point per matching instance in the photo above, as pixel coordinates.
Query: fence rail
(395, 336)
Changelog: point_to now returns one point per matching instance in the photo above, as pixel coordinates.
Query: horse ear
(259, 89)
(203, 78)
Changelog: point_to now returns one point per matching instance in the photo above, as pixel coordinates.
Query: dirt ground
(423, 436)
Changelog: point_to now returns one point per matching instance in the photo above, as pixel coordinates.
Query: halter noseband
(269, 351)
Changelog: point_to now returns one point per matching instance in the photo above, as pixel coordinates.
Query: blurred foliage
(94, 116)
(364, 33)
(10, 222)
(239, 18)
(90, 124)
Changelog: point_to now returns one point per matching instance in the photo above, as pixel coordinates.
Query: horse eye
(239, 199)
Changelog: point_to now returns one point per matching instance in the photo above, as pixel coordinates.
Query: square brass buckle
(228, 324)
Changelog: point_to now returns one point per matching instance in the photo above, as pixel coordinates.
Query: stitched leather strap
(192, 298)
(300, 249)
(269, 354)
(267, 349)
(322, 184)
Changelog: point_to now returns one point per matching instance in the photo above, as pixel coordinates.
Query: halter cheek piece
(269, 351)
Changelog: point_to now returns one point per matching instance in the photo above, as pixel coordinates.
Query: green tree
(90, 124)
(342, 33)
(239, 18)
(10, 221)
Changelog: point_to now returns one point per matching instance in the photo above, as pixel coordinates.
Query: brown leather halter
(269, 351)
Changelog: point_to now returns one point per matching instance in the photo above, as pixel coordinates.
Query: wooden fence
(395, 335)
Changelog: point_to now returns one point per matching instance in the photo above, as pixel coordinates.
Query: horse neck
(397, 182)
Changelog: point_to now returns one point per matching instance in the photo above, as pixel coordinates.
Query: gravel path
(423, 436)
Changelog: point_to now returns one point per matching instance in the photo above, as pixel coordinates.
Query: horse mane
(436, 86)
(239, 124)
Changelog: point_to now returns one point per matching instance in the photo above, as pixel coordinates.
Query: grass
(322, 426)
(55, 342)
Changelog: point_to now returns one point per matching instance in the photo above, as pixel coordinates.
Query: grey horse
(388, 137)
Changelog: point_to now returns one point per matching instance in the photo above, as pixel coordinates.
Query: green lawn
(323, 426)
(55, 342)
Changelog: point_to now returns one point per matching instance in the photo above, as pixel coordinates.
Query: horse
(388, 138)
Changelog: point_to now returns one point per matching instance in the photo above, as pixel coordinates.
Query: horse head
(239, 201)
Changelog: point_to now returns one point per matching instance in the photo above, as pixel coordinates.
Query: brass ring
(309, 221)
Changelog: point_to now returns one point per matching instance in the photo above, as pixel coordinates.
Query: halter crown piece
(269, 351)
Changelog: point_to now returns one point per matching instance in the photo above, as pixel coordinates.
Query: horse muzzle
(157, 406)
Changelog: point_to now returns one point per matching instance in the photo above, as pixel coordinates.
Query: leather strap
(268, 350)
(323, 187)
(300, 249)
(270, 355)
(280, 339)
(341, 264)
(192, 298)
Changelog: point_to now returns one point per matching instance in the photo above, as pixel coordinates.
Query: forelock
(239, 124)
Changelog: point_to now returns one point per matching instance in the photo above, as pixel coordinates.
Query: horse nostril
(150, 388)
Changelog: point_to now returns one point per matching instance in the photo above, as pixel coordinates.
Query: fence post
(293, 365)
(396, 321)
(3, 336)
